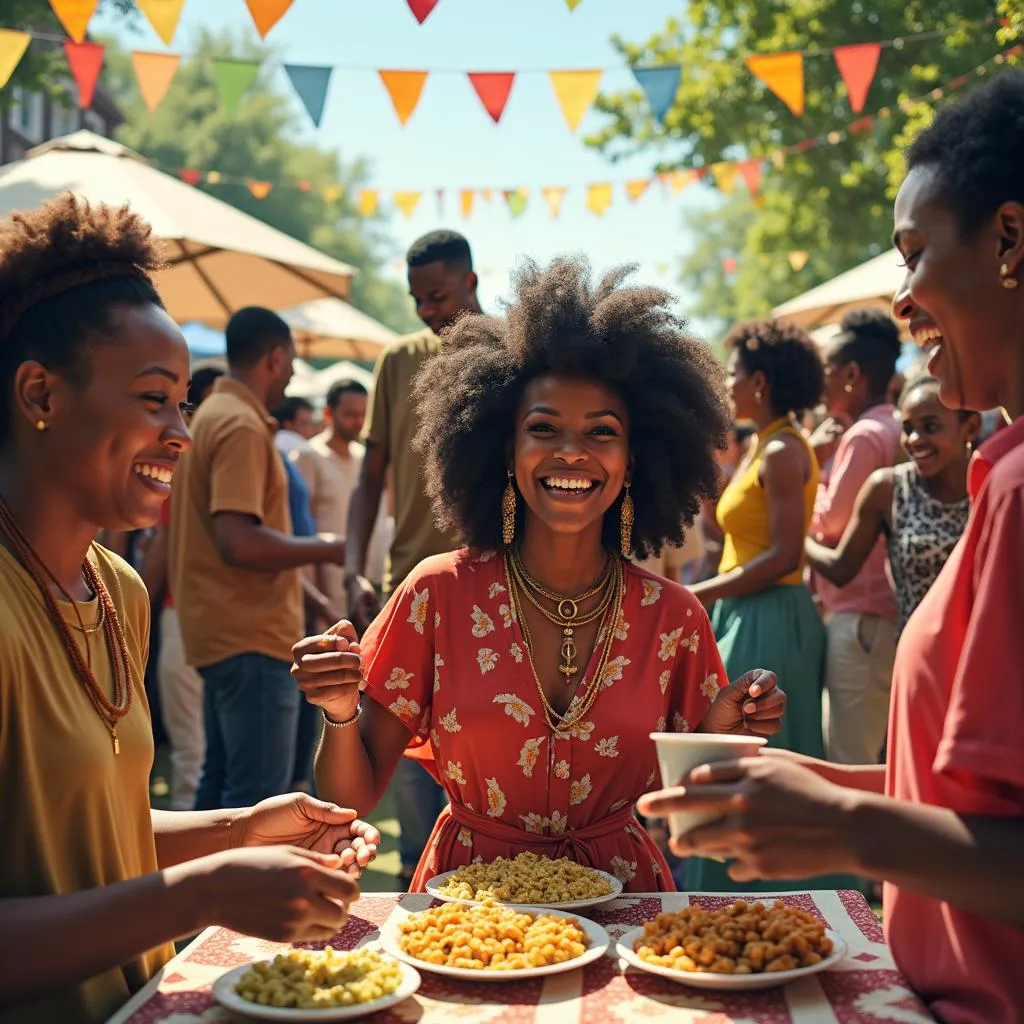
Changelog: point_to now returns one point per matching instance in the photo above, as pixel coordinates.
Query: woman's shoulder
(656, 591)
(461, 567)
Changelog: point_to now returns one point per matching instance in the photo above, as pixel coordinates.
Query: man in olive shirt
(234, 569)
(443, 285)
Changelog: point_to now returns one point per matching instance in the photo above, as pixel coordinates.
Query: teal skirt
(778, 629)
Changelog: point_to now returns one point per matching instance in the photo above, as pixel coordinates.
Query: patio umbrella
(220, 259)
(332, 329)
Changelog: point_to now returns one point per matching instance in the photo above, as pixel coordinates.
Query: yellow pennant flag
(163, 15)
(575, 91)
(214, 177)
(635, 189)
(154, 72)
(798, 259)
(12, 48)
(466, 197)
(599, 198)
(407, 201)
(267, 13)
(369, 200)
(554, 198)
(573, 4)
(725, 176)
(74, 15)
(778, 159)
(405, 89)
(332, 193)
(259, 189)
(679, 181)
(783, 73)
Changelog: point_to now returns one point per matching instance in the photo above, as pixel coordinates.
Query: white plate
(439, 880)
(225, 994)
(728, 982)
(598, 938)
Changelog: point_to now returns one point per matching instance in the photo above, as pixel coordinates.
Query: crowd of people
(484, 582)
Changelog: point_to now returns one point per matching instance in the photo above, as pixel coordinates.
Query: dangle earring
(508, 513)
(1006, 279)
(626, 525)
(757, 397)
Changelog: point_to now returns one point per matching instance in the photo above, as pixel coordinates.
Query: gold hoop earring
(626, 525)
(508, 513)
(1006, 279)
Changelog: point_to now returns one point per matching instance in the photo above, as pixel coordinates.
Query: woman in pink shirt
(943, 824)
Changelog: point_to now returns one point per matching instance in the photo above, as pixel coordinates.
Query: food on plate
(528, 879)
(490, 937)
(310, 980)
(742, 938)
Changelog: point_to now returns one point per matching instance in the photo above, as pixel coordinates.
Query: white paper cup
(680, 752)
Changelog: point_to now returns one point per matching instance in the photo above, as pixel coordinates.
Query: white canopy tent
(332, 329)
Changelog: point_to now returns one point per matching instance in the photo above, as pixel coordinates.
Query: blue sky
(450, 142)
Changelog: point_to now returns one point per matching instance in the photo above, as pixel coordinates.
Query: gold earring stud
(626, 525)
(1006, 279)
(508, 513)
(848, 388)
(757, 397)
(40, 425)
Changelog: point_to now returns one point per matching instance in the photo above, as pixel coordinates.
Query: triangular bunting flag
(267, 13)
(75, 16)
(798, 259)
(232, 78)
(599, 198)
(407, 201)
(487, 193)
(516, 199)
(575, 91)
(154, 72)
(85, 61)
(422, 8)
(163, 15)
(857, 65)
(783, 73)
(259, 189)
(493, 88)
(554, 198)
(214, 177)
(12, 48)
(190, 176)
(573, 4)
(750, 171)
(466, 197)
(369, 200)
(311, 83)
(635, 189)
(405, 89)
(725, 176)
(679, 181)
(660, 86)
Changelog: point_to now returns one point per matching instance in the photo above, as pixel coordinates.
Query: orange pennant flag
(487, 193)
(405, 89)
(407, 202)
(725, 176)
(75, 16)
(466, 197)
(163, 15)
(154, 72)
(857, 65)
(84, 61)
(750, 170)
(798, 259)
(599, 198)
(783, 73)
(635, 189)
(554, 197)
(12, 48)
(267, 13)
(369, 200)
(575, 91)
(259, 189)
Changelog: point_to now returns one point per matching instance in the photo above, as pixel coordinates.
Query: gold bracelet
(348, 721)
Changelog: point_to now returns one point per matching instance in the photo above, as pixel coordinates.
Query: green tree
(832, 201)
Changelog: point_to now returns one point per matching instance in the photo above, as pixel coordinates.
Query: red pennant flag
(750, 171)
(190, 176)
(493, 88)
(422, 8)
(857, 65)
(84, 62)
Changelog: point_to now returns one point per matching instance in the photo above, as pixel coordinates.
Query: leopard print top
(924, 532)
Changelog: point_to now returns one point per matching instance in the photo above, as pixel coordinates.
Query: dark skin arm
(871, 516)
(784, 470)
(244, 542)
(362, 516)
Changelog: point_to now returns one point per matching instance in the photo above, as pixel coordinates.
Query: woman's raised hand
(751, 706)
(329, 670)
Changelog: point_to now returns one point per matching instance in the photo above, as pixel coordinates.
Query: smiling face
(442, 293)
(952, 295)
(933, 436)
(571, 452)
(113, 439)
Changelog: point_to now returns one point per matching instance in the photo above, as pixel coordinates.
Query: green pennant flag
(232, 78)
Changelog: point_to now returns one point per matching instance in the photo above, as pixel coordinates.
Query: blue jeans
(418, 802)
(251, 713)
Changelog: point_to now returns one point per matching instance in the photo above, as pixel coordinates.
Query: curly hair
(976, 148)
(628, 339)
(788, 358)
(62, 267)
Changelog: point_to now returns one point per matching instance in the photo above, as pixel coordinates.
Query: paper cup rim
(716, 738)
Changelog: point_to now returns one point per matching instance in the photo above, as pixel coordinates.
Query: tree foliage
(833, 201)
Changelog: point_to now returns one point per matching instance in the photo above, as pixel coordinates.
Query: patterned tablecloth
(865, 988)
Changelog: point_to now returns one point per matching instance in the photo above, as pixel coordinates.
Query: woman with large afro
(578, 430)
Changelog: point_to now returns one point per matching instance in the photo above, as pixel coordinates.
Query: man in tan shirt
(234, 569)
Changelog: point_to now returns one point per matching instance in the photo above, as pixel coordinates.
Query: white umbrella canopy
(332, 329)
(315, 386)
(220, 259)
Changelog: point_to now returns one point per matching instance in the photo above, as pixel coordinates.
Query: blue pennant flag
(311, 83)
(660, 86)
